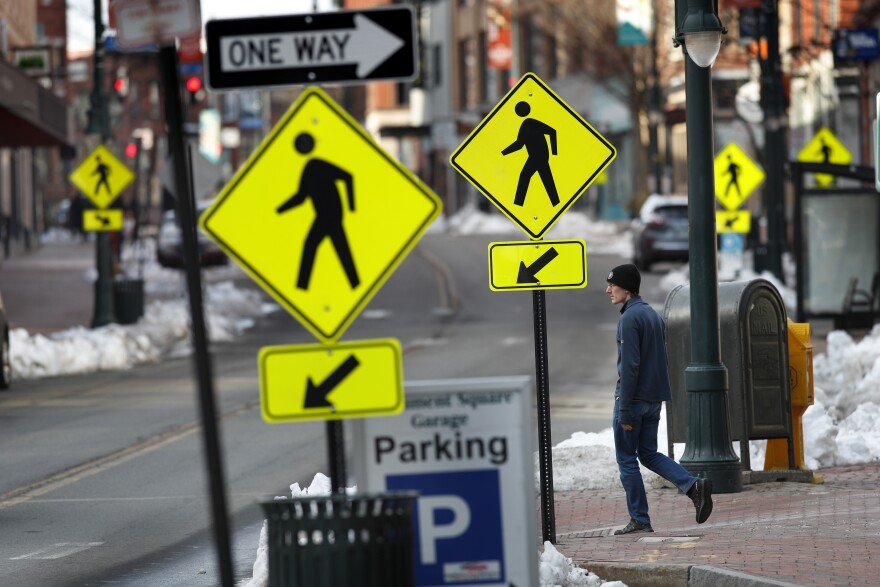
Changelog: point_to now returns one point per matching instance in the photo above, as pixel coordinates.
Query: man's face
(617, 294)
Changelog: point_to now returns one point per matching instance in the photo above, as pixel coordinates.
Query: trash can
(341, 541)
(754, 348)
(128, 300)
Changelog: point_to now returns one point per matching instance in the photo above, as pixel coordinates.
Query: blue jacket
(642, 367)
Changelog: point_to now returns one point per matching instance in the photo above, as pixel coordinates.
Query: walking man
(642, 387)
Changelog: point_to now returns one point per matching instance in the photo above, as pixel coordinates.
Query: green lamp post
(708, 450)
(104, 312)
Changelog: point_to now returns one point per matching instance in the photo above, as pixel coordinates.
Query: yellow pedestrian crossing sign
(533, 156)
(101, 177)
(736, 176)
(733, 221)
(318, 382)
(102, 220)
(825, 147)
(519, 265)
(320, 215)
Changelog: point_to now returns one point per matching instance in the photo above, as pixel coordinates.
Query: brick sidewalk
(795, 533)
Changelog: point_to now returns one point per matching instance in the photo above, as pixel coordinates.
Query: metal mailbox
(754, 348)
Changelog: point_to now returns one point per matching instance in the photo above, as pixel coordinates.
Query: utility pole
(655, 115)
(99, 124)
(775, 124)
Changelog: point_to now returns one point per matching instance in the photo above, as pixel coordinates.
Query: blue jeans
(640, 445)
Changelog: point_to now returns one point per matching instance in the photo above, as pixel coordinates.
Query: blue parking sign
(459, 533)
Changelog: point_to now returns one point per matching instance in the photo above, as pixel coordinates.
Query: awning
(30, 115)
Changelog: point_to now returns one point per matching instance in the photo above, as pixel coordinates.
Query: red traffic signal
(193, 84)
(131, 150)
(120, 86)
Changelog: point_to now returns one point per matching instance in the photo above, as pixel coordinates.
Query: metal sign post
(533, 175)
(186, 216)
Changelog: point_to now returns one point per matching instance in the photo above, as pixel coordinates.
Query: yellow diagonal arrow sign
(559, 264)
(735, 221)
(102, 220)
(320, 382)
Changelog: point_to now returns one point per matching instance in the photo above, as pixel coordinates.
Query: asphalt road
(103, 480)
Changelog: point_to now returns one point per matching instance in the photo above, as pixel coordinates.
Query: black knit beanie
(626, 276)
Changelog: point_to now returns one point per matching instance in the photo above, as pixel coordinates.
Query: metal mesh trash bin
(341, 541)
(128, 300)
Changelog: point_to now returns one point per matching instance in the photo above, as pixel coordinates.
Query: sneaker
(701, 495)
(634, 527)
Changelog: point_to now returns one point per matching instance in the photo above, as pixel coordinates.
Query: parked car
(660, 232)
(169, 245)
(5, 358)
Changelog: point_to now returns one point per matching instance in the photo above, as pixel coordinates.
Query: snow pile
(164, 330)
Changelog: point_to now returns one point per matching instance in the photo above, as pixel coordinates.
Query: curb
(649, 575)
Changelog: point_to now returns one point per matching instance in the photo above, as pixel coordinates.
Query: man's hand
(626, 427)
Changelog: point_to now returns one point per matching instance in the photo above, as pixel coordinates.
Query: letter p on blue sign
(459, 533)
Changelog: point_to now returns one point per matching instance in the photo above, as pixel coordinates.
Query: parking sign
(466, 446)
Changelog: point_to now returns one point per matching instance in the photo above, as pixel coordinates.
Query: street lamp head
(701, 34)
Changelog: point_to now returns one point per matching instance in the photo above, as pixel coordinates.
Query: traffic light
(131, 150)
(120, 87)
(193, 85)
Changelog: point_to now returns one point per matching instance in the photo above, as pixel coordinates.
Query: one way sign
(326, 47)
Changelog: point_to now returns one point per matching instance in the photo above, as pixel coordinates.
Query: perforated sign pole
(545, 450)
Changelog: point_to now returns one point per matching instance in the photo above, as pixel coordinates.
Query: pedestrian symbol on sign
(318, 182)
(531, 136)
(733, 172)
(103, 171)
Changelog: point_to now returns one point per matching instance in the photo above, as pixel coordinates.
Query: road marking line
(58, 550)
(100, 464)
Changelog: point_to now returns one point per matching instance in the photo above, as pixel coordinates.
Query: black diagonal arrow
(528, 274)
(316, 395)
(105, 220)
(731, 221)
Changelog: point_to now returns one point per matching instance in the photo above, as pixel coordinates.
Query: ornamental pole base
(709, 452)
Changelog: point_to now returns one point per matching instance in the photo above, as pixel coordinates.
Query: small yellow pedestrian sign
(102, 220)
(101, 177)
(519, 265)
(320, 215)
(317, 382)
(533, 156)
(825, 147)
(733, 221)
(736, 176)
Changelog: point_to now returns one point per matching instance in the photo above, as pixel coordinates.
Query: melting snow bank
(842, 427)
(163, 331)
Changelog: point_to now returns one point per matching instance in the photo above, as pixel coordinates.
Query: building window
(462, 74)
(437, 65)
(483, 67)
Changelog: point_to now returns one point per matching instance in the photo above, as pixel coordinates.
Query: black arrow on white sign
(528, 274)
(341, 46)
(316, 395)
(365, 45)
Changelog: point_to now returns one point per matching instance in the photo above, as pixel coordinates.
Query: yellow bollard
(800, 366)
